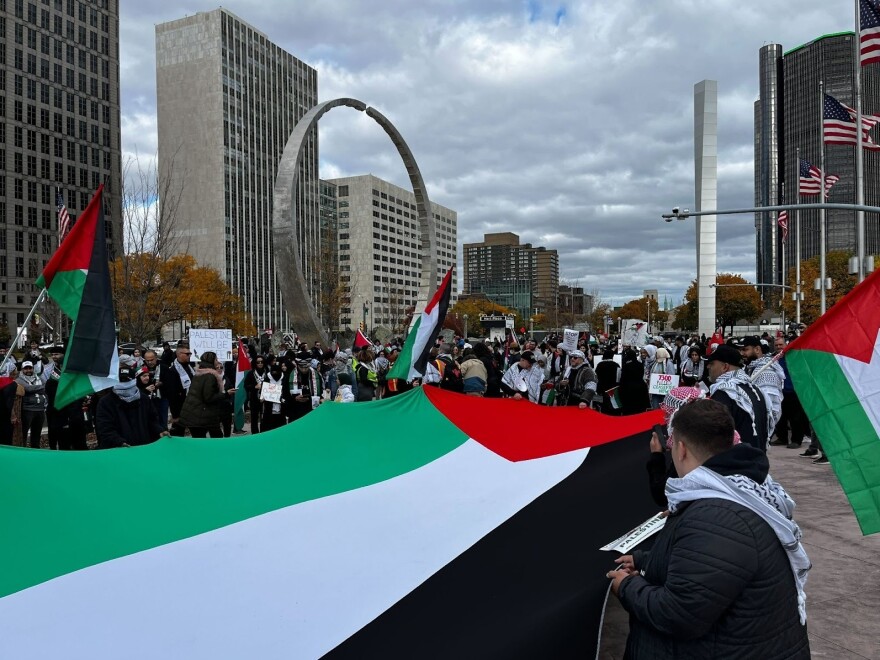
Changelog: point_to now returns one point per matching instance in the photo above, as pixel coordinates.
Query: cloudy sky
(569, 123)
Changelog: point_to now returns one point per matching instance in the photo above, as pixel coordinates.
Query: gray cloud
(568, 123)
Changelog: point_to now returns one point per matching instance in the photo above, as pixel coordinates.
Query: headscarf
(127, 391)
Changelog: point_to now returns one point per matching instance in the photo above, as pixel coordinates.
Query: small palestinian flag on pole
(835, 368)
(77, 278)
(242, 369)
(614, 397)
(413, 358)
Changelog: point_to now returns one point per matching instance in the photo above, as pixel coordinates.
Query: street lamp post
(366, 311)
(465, 327)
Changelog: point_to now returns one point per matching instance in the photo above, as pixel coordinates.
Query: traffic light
(361, 326)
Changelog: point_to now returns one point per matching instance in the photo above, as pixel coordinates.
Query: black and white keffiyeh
(768, 500)
(729, 382)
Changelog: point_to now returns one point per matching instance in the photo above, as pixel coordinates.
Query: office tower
(227, 101)
(787, 119)
(380, 251)
(59, 101)
(518, 276)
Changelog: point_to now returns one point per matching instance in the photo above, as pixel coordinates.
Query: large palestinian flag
(835, 367)
(77, 277)
(429, 525)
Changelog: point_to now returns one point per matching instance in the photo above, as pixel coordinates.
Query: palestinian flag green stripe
(840, 396)
(101, 505)
(66, 289)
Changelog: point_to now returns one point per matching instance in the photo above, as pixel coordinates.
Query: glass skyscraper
(787, 119)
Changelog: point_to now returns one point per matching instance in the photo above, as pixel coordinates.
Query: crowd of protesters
(165, 391)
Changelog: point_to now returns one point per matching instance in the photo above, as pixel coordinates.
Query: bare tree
(151, 236)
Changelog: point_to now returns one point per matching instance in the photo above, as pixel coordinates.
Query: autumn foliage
(150, 291)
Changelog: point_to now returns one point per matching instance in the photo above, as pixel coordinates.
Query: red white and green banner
(835, 368)
(413, 358)
(242, 368)
(465, 527)
(77, 278)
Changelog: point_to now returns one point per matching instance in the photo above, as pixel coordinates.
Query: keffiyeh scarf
(768, 500)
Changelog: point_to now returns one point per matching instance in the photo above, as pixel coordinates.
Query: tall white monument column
(706, 197)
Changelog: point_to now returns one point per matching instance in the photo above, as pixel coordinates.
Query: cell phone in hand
(660, 430)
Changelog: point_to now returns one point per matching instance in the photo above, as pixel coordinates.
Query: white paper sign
(598, 358)
(570, 340)
(635, 536)
(215, 340)
(271, 392)
(662, 383)
(635, 332)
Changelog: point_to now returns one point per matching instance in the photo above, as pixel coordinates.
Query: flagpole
(860, 179)
(783, 279)
(23, 329)
(797, 245)
(822, 301)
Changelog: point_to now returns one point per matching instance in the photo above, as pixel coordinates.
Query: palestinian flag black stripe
(534, 587)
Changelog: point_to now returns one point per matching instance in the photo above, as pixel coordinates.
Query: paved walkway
(843, 589)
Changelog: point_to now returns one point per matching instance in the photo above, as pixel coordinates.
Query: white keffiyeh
(185, 379)
(768, 500)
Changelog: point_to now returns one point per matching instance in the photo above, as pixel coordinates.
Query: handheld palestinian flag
(242, 369)
(614, 397)
(835, 367)
(361, 341)
(413, 358)
(77, 278)
(479, 540)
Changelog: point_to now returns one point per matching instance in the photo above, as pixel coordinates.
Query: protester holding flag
(33, 405)
(253, 383)
(242, 361)
(607, 377)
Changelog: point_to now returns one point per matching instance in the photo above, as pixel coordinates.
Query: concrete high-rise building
(227, 101)
(518, 276)
(787, 119)
(380, 252)
(59, 100)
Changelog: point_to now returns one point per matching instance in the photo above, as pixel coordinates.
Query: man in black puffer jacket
(726, 574)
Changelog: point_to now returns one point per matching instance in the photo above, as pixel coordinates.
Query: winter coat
(717, 582)
(118, 422)
(204, 404)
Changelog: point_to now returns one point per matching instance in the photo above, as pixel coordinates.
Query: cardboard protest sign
(662, 383)
(635, 332)
(208, 339)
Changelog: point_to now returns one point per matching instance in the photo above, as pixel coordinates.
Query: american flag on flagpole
(63, 217)
(782, 221)
(808, 181)
(869, 31)
(840, 124)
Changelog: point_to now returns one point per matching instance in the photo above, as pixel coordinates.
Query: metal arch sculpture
(288, 266)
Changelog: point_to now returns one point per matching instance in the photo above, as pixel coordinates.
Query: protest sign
(271, 392)
(662, 383)
(216, 340)
(635, 332)
(617, 358)
(570, 340)
(635, 536)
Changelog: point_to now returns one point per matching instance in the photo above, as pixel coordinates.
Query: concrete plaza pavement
(843, 587)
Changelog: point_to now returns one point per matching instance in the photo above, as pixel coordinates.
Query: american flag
(782, 221)
(840, 124)
(63, 218)
(808, 182)
(869, 31)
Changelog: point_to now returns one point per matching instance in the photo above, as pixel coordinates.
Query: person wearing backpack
(443, 371)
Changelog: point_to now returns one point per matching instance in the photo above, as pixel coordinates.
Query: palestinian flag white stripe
(293, 583)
